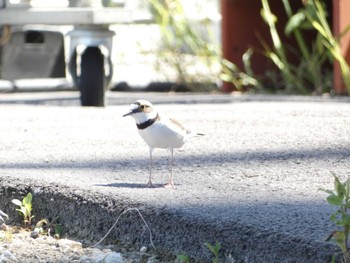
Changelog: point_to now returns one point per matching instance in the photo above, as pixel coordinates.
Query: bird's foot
(169, 186)
(149, 185)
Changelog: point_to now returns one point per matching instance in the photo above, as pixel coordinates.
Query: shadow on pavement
(212, 159)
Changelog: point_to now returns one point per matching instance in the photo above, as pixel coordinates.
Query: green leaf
(214, 249)
(17, 202)
(346, 220)
(42, 222)
(276, 59)
(19, 210)
(28, 207)
(28, 199)
(58, 229)
(294, 22)
(183, 258)
(210, 247)
(246, 58)
(347, 189)
(228, 64)
(320, 29)
(347, 204)
(333, 217)
(339, 236)
(217, 247)
(339, 187)
(335, 200)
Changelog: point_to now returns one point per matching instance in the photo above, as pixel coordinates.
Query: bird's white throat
(141, 117)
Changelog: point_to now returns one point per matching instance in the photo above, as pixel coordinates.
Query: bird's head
(141, 111)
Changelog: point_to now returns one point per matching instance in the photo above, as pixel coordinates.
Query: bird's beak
(127, 114)
(134, 109)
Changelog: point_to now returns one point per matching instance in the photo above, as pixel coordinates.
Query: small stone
(106, 250)
(8, 256)
(113, 257)
(34, 234)
(143, 249)
(84, 259)
(97, 255)
(153, 260)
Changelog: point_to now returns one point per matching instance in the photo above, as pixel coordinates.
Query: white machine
(32, 48)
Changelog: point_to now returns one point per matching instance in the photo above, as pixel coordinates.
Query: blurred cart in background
(70, 40)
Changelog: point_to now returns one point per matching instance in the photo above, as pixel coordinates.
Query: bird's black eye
(142, 107)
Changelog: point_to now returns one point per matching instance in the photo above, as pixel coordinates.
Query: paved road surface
(251, 183)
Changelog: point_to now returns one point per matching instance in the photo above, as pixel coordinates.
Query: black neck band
(147, 123)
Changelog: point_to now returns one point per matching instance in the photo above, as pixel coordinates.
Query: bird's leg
(149, 184)
(170, 184)
(169, 162)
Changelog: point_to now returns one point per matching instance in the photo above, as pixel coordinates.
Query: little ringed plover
(158, 131)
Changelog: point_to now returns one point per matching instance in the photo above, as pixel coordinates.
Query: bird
(159, 131)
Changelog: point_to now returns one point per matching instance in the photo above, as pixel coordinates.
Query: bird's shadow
(132, 185)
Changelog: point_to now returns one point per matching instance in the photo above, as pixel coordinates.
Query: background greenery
(311, 74)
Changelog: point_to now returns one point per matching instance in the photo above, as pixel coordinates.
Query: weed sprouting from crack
(116, 222)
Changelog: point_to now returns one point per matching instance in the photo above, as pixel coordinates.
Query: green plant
(240, 79)
(278, 54)
(25, 208)
(215, 249)
(311, 73)
(183, 258)
(317, 16)
(45, 227)
(340, 197)
(184, 44)
(303, 68)
(6, 235)
(313, 58)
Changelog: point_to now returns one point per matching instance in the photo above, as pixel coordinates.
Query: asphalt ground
(251, 183)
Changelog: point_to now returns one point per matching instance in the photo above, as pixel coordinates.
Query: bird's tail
(193, 134)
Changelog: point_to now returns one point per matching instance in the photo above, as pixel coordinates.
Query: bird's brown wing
(179, 125)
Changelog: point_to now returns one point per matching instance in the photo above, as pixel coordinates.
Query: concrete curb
(174, 232)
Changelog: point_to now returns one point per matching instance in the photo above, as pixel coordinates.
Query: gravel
(20, 245)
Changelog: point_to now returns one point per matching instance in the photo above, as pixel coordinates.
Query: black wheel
(92, 79)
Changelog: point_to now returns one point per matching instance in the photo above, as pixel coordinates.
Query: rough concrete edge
(158, 98)
(89, 215)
